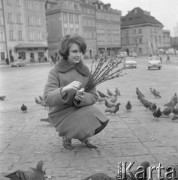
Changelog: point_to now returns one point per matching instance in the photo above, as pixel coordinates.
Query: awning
(30, 46)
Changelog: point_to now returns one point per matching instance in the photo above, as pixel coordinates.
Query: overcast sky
(165, 11)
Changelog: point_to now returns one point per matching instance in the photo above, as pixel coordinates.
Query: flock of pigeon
(171, 107)
(39, 174)
(110, 101)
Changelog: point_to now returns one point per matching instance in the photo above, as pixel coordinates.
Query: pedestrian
(7, 61)
(168, 59)
(71, 110)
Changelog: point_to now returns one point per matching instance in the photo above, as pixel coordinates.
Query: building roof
(139, 16)
(30, 45)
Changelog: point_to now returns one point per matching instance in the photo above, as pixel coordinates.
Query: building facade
(97, 22)
(63, 17)
(25, 29)
(108, 23)
(142, 33)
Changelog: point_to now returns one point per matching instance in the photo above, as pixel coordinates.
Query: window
(127, 40)
(32, 36)
(2, 55)
(140, 50)
(71, 18)
(38, 21)
(9, 2)
(140, 31)
(65, 17)
(126, 31)
(17, 2)
(39, 36)
(18, 18)
(76, 19)
(22, 55)
(1, 20)
(11, 35)
(2, 37)
(140, 40)
(134, 31)
(10, 17)
(20, 38)
(28, 5)
(76, 6)
(30, 20)
(36, 6)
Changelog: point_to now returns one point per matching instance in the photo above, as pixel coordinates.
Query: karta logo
(163, 173)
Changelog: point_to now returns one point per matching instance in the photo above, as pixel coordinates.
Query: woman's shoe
(67, 143)
(88, 144)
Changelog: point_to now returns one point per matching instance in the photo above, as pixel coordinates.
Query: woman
(71, 108)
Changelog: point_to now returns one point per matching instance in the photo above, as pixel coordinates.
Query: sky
(165, 11)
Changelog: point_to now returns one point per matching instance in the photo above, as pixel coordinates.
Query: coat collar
(64, 66)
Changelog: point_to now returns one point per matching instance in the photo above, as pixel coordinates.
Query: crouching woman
(71, 109)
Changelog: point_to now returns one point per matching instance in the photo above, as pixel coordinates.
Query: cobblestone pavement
(133, 136)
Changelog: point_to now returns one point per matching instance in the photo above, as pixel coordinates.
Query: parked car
(133, 54)
(154, 63)
(122, 54)
(130, 62)
(18, 63)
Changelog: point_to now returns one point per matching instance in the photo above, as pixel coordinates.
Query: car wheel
(148, 68)
(159, 68)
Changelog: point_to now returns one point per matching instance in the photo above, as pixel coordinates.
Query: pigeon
(175, 118)
(157, 113)
(109, 92)
(99, 176)
(2, 98)
(102, 95)
(113, 109)
(31, 174)
(117, 92)
(175, 110)
(167, 111)
(153, 107)
(156, 94)
(24, 108)
(41, 98)
(138, 92)
(109, 104)
(173, 101)
(113, 99)
(131, 176)
(128, 106)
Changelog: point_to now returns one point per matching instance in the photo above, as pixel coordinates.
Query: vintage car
(154, 63)
(130, 62)
(18, 63)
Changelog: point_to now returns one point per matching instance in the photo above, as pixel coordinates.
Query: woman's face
(75, 55)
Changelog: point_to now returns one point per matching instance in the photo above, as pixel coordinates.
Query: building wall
(88, 21)
(142, 39)
(99, 26)
(108, 31)
(21, 29)
(3, 53)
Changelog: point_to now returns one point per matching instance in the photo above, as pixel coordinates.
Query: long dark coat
(72, 120)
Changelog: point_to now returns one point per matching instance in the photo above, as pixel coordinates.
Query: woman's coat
(70, 118)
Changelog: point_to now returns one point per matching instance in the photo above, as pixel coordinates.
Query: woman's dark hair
(66, 43)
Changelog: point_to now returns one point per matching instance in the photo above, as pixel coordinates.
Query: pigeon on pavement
(31, 174)
(24, 108)
(128, 106)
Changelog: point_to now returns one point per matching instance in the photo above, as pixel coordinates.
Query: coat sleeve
(52, 95)
(90, 98)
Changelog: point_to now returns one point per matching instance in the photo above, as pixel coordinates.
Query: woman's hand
(75, 85)
(79, 94)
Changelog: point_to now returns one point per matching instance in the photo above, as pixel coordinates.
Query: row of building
(32, 29)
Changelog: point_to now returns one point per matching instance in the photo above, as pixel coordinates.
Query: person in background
(168, 59)
(71, 108)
